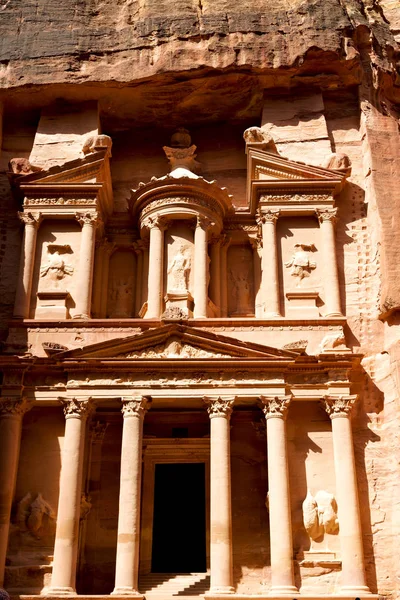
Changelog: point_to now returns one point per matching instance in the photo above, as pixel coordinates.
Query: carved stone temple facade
(199, 299)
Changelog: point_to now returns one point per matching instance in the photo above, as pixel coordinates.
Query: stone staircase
(167, 585)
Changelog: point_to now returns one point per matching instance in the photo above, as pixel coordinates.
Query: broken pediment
(175, 342)
(269, 173)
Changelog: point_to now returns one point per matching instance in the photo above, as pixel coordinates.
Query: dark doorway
(179, 522)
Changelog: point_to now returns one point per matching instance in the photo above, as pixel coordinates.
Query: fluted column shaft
(127, 565)
(270, 268)
(201, 268)
(327, 219)
(69, 500)
(353, 571)
(219, 410)
(11, 413)
(280, 521)
(156, 261)
(26, 266)
(89, 223)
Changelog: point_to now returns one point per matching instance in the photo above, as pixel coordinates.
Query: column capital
(29, 218)
(97, 431)
(156, 221)
(135, 406)
(91, 219)
(326, 215)
(203, 222)
(76, 409)
(268, 216)
(339, 406)
(275, 406)
(219, 406)
(13, 406)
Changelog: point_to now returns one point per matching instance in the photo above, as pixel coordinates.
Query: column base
(283, 590)
(126, 591)
(59, 591)
(223, 589)
(356, 590)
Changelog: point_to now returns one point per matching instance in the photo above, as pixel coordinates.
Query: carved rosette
(75, 409)
(135, 407)
(31, 219)
(219, 406)
(268, 216)
(275, 406)
(339, 406)
(91, 219)
(13, 407)
(326, 215)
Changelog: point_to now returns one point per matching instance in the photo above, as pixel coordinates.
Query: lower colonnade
(134, 408)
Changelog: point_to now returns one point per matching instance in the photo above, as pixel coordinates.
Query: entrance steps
(167, 585)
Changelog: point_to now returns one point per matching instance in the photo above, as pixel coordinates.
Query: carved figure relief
(320, 515)
(35, 516)
(240, 281)
(179, 270)
(174, 348)
(300, 263)
(121, 297)
(57, 267)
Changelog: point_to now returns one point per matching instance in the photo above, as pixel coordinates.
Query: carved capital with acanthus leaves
(339, 406)
(30, 219)
(156, 222)
(268, 216)
(203, 222)
(135, 406)
(90, 219)
(76, 409)
(275, 406)
(13, 406)
(219, 406)
(325, 215)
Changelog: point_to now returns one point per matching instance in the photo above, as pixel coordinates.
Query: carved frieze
(296, 198)
(61, 201)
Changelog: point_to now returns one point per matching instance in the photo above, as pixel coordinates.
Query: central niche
(179, 271)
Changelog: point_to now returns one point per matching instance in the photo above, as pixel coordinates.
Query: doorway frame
(170, 451)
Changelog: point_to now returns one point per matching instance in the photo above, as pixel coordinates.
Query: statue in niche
(300, 263)
(179, 271)
(241, 291)
(56, 267)
(320, 515)
(35, 516)
(122, 297)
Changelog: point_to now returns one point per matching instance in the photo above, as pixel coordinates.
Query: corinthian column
(280, 520)
(11, 413)
(269, 264)
(219, 410)
(353, 572)
(127, 565)
(201, 268)
(69, 499)
(26, 265)
(327, 219)
(89, 222)
(157, 226)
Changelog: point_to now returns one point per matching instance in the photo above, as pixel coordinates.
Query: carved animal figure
(96, 142)
(22, 166)
(256, 135)
(30, 515)
(332, 341)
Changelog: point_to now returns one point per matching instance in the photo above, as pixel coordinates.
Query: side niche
(121, 285)
(241, 293)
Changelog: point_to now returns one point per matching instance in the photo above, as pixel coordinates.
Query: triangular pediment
(176, 342)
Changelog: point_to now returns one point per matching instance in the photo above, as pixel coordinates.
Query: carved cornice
(13, 407)
(275, 406)
(137, 406)
(326, 215)
(219, 406)
(74, 408)
(339, 406)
